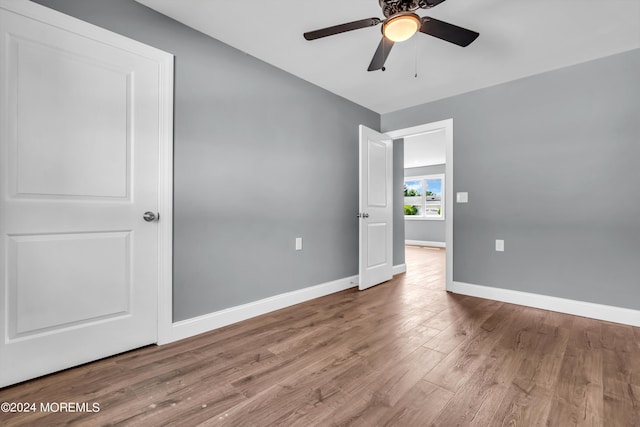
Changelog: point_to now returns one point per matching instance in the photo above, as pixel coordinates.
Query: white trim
(165, 200)
(208, 322)
(165, 133)
(399, 269)
(447, 125)
(426, 243)
(562, 305)
(60, 20)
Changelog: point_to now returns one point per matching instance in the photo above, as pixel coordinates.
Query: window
(424, 197)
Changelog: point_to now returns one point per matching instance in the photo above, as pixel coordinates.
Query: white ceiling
(517, 38)
(425, 149)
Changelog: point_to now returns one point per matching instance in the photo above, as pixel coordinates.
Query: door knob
(365, 215)
(150, 216)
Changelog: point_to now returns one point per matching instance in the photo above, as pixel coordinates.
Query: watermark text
(49, 407)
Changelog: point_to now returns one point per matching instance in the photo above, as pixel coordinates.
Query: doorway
(424, 185)
(444, 129)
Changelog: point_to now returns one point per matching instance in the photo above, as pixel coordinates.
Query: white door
(376, 208)
(78, 168)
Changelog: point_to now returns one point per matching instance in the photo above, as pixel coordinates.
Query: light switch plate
(298, 243)
(499, 245)
(462, 197)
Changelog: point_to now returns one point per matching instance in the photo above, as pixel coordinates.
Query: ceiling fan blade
(337, 29)
(381, 54)
(448, 32)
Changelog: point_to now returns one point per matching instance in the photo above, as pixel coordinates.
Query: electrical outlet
(499, 245)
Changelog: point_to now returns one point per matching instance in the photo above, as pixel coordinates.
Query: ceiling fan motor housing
(392, 7)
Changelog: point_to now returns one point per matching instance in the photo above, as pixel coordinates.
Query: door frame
(165, 63)
(447, 126)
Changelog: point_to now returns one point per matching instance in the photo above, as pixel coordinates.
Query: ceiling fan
(400, 24)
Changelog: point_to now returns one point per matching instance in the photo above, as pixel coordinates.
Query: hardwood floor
(403, 353)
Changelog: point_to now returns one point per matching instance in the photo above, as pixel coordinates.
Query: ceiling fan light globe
(401, 26)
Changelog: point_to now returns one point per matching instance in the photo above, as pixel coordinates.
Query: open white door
(376, 208)
(79, 167)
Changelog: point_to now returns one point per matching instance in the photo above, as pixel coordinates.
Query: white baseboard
(208, 322)
(400, 268)
(425, 243)
(609, 313)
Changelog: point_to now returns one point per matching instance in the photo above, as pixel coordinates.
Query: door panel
(376, 209)
(89, 156)
(377, 175)
(56, 104)
(79, 167)
(44, 267)
(376, 244)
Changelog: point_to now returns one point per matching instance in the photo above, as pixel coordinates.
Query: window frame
(423, 179)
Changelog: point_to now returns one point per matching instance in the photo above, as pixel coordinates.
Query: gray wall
(261, 157)
(551, 166)
(398, 206)
(425, 230)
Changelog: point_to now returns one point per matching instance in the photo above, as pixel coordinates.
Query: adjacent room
(374, 212)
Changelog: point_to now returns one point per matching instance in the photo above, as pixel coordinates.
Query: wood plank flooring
(404, 353)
